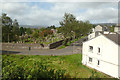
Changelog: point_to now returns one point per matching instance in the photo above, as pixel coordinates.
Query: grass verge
(70, 63)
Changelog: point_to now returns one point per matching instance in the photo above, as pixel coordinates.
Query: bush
(29, 70)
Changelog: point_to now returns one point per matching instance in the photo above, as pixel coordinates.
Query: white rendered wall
(108, 56)
(98, 28)
(117, 29)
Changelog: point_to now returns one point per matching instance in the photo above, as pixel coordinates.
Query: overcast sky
(50, 13)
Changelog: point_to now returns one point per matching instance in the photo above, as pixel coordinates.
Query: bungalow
(103, 54)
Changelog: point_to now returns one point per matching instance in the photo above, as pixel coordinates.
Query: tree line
(70, 27)
(12, 32)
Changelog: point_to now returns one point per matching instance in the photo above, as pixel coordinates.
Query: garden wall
(55, 44)
(20, 46)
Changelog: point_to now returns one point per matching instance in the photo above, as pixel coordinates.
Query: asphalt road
(74, 48)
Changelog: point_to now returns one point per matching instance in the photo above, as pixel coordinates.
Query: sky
(49, 13)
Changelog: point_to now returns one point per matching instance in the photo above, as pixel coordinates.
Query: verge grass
(70, 63)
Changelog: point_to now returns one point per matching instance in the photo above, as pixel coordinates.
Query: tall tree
(6, 27)
(71, 27)
(15, 30)
(67, 25)
(22, 31)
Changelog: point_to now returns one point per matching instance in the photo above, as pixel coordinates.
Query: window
(98, 62)
(90, 59)
(98, 50)
(90, 48)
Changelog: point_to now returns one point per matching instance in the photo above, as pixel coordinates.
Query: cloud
(109, 15)
(34, 14)
(60, 0)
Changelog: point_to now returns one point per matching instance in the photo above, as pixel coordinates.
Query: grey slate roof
(114, 37)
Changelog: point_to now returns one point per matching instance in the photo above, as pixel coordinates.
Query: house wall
(119, 60)
(92, 35)
(117, 29)
(98, 28)
(108, 55)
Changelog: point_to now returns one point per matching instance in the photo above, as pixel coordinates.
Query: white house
(100, 30)
(117, 29)
(103, 54)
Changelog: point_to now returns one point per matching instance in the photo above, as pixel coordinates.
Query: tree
(15, 30)
(51, 27)
(6, 28)
(35, 34)
(71, 27)
(68, 24)
(28, 31)
(22, 31)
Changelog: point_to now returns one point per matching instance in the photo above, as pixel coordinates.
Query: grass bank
(71, 64)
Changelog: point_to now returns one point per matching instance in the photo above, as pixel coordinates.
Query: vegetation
(26, 67)
(12, 32)
(10, 29)
(36, 66)
(112, 28)
(71, 27)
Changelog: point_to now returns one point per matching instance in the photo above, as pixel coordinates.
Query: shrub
(29, 71)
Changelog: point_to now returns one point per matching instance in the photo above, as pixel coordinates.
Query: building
(101, 28)
(117, 28)
(103, 54)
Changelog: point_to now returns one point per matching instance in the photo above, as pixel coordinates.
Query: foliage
(28, 31)
(51, 27)
(38, 66)
(61, 47)
(71, 27)
(10, 29)
(35, 34)
(112, 28)
(28, 70)
(22, 31)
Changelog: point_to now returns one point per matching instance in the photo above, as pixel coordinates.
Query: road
(74, 48)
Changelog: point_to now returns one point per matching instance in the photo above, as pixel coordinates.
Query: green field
(69, 65)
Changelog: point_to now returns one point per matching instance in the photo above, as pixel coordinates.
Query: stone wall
(20, 46)
(55, 44)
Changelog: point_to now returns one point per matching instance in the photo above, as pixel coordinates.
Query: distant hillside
(103, 24)
(31, 26)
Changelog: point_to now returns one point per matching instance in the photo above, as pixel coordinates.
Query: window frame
(90, 59)
(98, 62)
(91, 49)
(99, 50)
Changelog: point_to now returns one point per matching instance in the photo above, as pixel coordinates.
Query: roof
(114, 37)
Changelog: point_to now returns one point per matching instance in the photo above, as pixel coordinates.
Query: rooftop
(114, 37)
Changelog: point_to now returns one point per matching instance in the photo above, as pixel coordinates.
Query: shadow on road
(8, 52)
